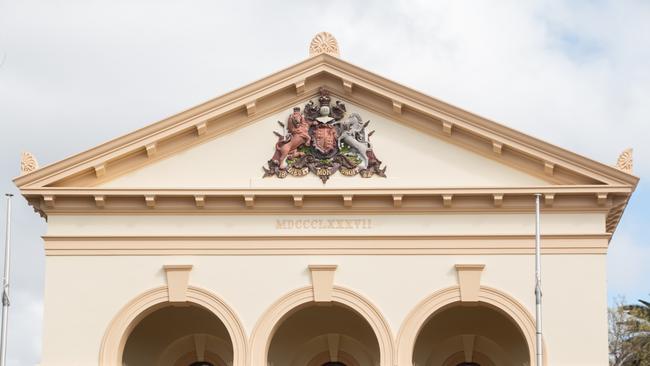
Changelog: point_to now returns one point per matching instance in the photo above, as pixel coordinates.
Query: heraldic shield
(323, 139)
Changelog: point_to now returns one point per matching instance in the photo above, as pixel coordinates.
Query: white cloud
(572, 73)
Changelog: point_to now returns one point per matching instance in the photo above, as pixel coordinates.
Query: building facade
(324, 215)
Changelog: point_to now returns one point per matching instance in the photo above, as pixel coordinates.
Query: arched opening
(187, 335)
(470, 335)
(323, 335)
(120, 329)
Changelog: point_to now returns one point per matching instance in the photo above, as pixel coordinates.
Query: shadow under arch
(428, 307)
(119, 329)
(272, 318)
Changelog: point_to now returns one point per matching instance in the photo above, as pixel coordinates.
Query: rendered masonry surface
(373, 225)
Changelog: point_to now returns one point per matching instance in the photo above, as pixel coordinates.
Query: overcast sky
(74, 74)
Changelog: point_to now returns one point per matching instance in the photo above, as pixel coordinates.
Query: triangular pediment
(430, 149)
(288, 87)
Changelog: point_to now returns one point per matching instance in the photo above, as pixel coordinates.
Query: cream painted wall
(250, 224)
(235, 160)
(83, 294)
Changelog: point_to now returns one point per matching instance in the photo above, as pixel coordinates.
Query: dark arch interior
(176, 327)
(491, 333)
(310, 330)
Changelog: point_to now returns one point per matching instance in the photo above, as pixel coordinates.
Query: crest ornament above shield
(323, 138)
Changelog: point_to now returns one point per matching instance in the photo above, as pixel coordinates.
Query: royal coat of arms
(323, 139)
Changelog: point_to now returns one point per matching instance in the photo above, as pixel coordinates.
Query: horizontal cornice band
(561, 189)
(585, 198)
(325, 245)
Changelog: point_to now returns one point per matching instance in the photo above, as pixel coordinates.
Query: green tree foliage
(629, 334)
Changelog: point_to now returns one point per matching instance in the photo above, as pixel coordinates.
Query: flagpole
(5, 286)
(538, 285)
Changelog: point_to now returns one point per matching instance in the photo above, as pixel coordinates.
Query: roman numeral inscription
(320, 224)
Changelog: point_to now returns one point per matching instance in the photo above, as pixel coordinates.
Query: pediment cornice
(302, 81)
(569, 174)
(607, 199)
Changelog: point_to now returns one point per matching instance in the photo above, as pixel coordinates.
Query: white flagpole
(5, 286)
(538, 284)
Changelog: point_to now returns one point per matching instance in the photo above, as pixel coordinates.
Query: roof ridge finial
(624, 162)
(28, 163)
(324, 42)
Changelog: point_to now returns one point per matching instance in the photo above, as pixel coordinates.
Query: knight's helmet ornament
(324, 109)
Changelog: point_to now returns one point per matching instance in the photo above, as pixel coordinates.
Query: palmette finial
(324, 42)
(624, 162)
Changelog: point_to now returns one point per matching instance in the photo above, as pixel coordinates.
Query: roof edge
(297, 71)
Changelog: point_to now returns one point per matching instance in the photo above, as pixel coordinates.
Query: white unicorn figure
(353, 133)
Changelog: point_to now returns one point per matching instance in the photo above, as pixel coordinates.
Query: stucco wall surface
(83, 294)
(414, 159)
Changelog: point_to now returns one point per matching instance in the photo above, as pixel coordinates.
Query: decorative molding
(446, 200)
(625, 161)
(201, 128)
(100, 201)
(347, 200)
(469, 281)
(447, 127)
(151, 149)
(497, 147)
(199, 200)
(324, 42)
(262, 334)
(601, 198)
(428, 307)
(270, 192)
(300, 87)
(326, 245)
(28, 163)
(347, 86)
(549, 168)
(549, 199)
(49, 200)
(397, 200)
(397, 107)
(116, 335)
(498, 200)
(100, 170)
(333, 342)
(251, 108)
(371, 200)
(614, 216)
(297, 200)
(199, 346)
(374, 93)
(75, 169)
(468, 346)
(178, 276)
(441, 299)
(322, 281)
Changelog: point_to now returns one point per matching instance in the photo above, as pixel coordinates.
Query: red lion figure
(298, 135)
